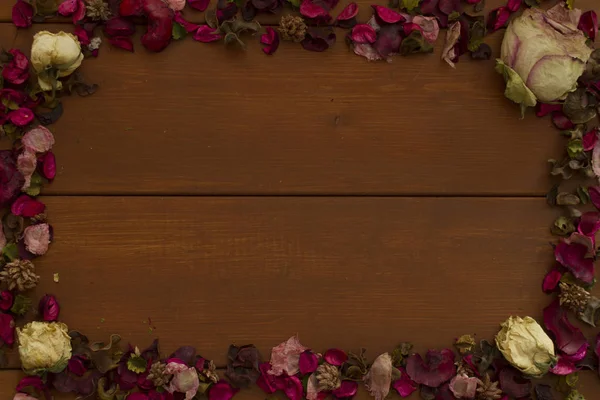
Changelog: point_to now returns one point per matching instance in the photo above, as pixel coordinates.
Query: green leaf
(37, 182)
(46, 8)
(136, 364)
(516, 90)
(11, 251)
(21, 305)
(570, 4)
(415, 43)
(574, 395)
(409, 5)
(575, 148)
(584, 194)
(294, 3)
(179, 31)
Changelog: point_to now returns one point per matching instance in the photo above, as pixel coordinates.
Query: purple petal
(206, 34)
(118, 26)
(588, 23)
(514, 5)
(335, 357)
(363, 33)
(551, 281)
(308, 362)
(318, 40)
(449, 6)
(388, 41)
(567, 338)
(573, 257)
(22, 14)
(199, 5)
(404, 386)
(543, 109)
(387, 15)
(186, 354)
(347, 390)
(349, 12)
(560, 120)
(438, 368)
(513, 383)
(271, 41)
(122, 42)
(498, 18)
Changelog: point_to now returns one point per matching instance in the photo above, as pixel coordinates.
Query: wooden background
(232, 197)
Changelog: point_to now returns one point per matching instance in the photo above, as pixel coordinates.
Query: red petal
(573, 257)
(25, 206)
(560, 120)
(271, 40)
(498, 18)
(82, 35)
(311, 10)
(68, 7)
(404, 386)
(187, 25)
(438, 368)
(79, 13)
(129, 8)
(588, 23)
(347, 390)
(363, 33)
(118, 26)
(199, 5)
(22, 14)
(387, 15)
(206, 34)
(308, 362)
(514, 5)
(590, 139)
(335, 357)
(122, 42)
(551, 281)
(49, 165)
(567, 338)
(349, 12)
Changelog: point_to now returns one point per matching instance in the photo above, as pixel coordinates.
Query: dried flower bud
(44, 346)
(49, 308)
(525, 345)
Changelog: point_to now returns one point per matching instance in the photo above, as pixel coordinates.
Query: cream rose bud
(59, 52)
(44, 346)
(525, 345)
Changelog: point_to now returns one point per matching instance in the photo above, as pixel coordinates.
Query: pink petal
(308, 362)
(176, 5)
(347, 390)
(408, 27)
(590, 139)
(122, 42)
(26, 163)
(188, 26)
(335, 357)
(363, 33)
(543, 109)
(429, 27)
(68, 7)
(22, 14)
(38, 139)
(271, 41)
(464, 387)
(21, 117)
(26, 206)
(206, 34)
(387, 15)
(404, 386)
(567, 337)
(588, 23)
(589, 223)
(286, 356)
(37, 239)
(349, 12)
(311, 10)
(560, 120)
(551, 281)
(514, 5)
(48, 162)
(573, 257)
(199, 5)
(498, 18)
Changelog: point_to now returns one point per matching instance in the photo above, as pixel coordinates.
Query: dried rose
(44, 346)
(525, 345)
(55, 55)
(37, 238)
(285, 357)
(542, 57)
(379, 377)
(38, 139)
(49, 308)
(11, 180)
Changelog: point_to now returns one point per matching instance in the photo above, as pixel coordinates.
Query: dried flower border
(56, 359)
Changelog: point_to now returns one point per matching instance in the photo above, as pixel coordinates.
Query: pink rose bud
(49, 308)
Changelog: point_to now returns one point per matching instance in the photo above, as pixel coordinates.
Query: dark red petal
(388, 41)
(347, 390)
(34, 382)
(560, 120)
(159, 34)
(589, 223)
(6, 300)
(19, 59)
(226, 10)
(123, 42)
(118, 26)
(129, 8)
(7, 329)
(49, 309)
(79, 13)
(349, 12)
(363, 33)
(68, 7)
(498, 18)
(11, 180)
(271, 41)
(429, 6)
(26, 206)
(308, 362)
(199, 5)
(206, 34)
(590, 139)
(21, 117)
(22, 14)
(292, 387)
(513, 383)
(449, 6)
(336, 357)
(474, 1)
(514, 5)
(588, 23)
(82, 35)
(404, 386)
(75, 365)
(573, 257)
(318, 40)
(48, 163)
(311, 10)
(387, 15)
(594, 192)
(551, 281)
(567, 337)
(438, 368)
(188, 26)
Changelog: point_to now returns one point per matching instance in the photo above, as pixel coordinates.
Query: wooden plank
(200, 119)
(267, 18)
(344, 272)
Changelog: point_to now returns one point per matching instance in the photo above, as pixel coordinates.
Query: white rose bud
(44, 346)
(525, 345)
(54, 55)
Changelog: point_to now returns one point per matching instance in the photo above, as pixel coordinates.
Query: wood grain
(344, 272)
(199, 119)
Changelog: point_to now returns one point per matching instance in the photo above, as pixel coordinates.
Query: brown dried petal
(567, 199)
(379, 378)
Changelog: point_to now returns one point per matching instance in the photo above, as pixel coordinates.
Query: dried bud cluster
(292, 28)
(328, 377)
(19, 275)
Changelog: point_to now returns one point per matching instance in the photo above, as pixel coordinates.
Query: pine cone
(292, 28)
(157, 374)
(20, 275)
(573, 297)
(97, 10)
(488, 390)
(328, 377)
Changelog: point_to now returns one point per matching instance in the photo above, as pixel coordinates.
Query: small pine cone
(20, 275)
(328, 377)
(292, 28)
(157, 374)
(97, 10)
(464, 369)
(573, 297)
(488, 390)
